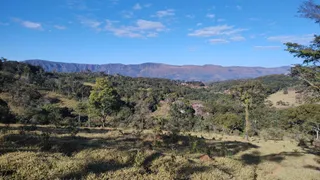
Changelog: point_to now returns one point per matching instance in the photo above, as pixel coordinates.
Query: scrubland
(47, 152)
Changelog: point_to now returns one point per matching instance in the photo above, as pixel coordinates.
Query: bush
(229, 121)
(139, 159)
(282, 103)
(198, 145)
(5, 115)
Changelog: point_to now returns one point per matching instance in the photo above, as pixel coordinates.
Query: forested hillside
(157, 121)
(63, 122)
(31, 95)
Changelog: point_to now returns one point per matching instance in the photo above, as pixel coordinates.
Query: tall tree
(250, 93)
(309, 69)
(182, 116)
(104, 100)
(5, 114)
(81, 110)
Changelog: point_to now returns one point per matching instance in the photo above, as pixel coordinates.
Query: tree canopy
(309, 69)
(104, 100)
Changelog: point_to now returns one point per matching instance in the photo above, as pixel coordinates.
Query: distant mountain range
(205, 73)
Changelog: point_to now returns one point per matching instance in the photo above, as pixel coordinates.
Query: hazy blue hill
(187, 72)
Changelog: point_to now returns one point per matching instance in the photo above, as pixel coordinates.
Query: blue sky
(221, 32)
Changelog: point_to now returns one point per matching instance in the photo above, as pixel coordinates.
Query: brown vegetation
(45, 152)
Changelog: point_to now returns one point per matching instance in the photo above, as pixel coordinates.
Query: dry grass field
(63, 101)
(46, 152)
(290, 98)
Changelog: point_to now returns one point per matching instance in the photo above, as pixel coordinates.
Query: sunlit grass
(280, 96)
(98, 153)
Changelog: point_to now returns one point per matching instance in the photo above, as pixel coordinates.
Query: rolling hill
(205, 73)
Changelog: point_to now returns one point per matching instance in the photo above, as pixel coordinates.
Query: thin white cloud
(272, 23)
(164, 13)
(199, 24)
(92, 23)
(114, 2)
(142, 28)
(218, 41)
(77, 4)
(127, 14)
(152, 34)
(59, 27)
(190, 16)
(216, 31)
(4, 24)
(267, 47)
(211, 16)
(29, 24)
(137, 6)
(221, 20)
(147, 5)
(239, 7)
(303, 39)
(144, 24)
(237, 38)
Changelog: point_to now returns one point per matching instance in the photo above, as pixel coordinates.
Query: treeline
(150, 103)
(273, 83)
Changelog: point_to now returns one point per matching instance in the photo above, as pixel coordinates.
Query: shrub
(229, 121)
(5, 115)
(45, 141)
(197, 145)
(139, 159)
(282, 103)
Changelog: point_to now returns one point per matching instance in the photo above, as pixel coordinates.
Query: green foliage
(72, 126)
(82, 109)
(305, 118)
(229, 121)
(25, 95)
(310, 10)
(6, 116)
(139, 159)
(197, 145)
(45, 141)
(104, 100)
(265, 117)
(309, 70)
(182, 116)
(251, 94)
(142, 102)
(272, 83)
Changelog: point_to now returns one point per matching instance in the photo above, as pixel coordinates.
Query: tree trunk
(103, 121)
(317, 134)
(89, 122)
(79, 120)
(247, 125)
